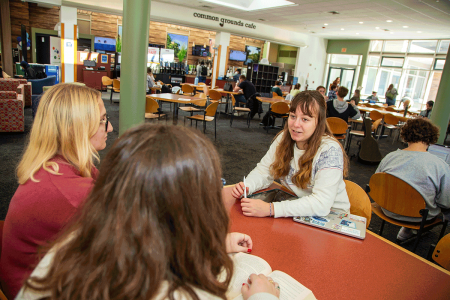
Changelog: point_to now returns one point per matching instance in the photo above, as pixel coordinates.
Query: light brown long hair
(391, 86)
(312, 103)
(155, 214)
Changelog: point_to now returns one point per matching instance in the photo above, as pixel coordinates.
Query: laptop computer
(441, 151)
(336, 221)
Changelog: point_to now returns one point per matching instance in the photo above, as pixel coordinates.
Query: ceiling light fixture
(392, 32)
(252, 5)
(357, 33)
(419, 31)
(325, 24)
(377, 27)
(342, 28)
(361, 22)
(405, 26)
(389, 21)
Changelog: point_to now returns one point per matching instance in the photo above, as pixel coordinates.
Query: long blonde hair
(67, 117)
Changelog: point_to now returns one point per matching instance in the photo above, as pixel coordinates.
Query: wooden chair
(360, 133)
(359, 201)
(187, 89)
(216, 96)
(375, 115)
(441, 252)
(278, 110)
(238, 109)
(274, 95)
(115, 88)
(397, 196)
(107, 83)
(201, 83)
(391, 123)
(152, 110)
(196, 107)
(208, 116)
(338, 127)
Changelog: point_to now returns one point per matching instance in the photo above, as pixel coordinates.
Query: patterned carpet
(240, 148)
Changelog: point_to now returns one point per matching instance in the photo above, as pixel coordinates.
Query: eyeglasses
(106, 121)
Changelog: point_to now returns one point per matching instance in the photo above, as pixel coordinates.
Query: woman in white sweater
(153, 227)
(307, 159)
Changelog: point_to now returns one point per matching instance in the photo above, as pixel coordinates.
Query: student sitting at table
(295, 90)
(340, 109)
(428, 174)
(150, 80)
(332, 93)
(307, 159)
(321, 90)
(277, 88)
(143, 232)
(246, 90)
(427, 112)
(356, 97)
(373, 98)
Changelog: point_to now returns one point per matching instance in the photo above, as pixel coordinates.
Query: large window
(414, 67)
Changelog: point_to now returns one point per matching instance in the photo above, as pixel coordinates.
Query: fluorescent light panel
(250, 5)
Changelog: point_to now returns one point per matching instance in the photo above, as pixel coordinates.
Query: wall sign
(223, 21)
(344, 50)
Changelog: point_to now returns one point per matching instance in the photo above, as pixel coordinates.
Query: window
(369, 80)
(373, 60)
(423, 46)
(443, 47)
(388, 76)
(414, 85)
(392, 61)
(395, 46)
(422, 63)
(375, 46)
(343, 59)
(439, 64)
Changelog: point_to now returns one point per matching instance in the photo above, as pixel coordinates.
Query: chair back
(391, 119)
(201, 83)
(202, 95)
(116, 85)
(187, 89)
(106, 80)
(274, 95)
(215, 95)
(375, 115)
(277, 97)
(211, 109)
(281, 108)
(441, 253)
(337, 125)
(151, 106)
(359, 201)
(395, 195)
(375, 125)
(390, 108)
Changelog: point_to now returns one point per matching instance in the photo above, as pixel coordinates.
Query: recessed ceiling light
(357, 33)
(389, 21)
(377, 27)
(361, 22)
(392, 32)
(405, 26)
(342, 28)
(419, 31)
(325, 24)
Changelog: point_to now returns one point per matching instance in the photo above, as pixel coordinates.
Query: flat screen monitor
(106, 44)
(238, 55)
(200, 50)
(253, 54)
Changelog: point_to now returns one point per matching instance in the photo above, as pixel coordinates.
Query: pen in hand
(245, 189)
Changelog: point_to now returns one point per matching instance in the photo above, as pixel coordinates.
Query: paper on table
(184, 99)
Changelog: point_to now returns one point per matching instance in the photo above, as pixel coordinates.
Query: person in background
(307, 159)
(295, 90)
(277, 88)
(341, 109)
(245, 88)
(29, 73)
(236, 75)
(332, 93)
(150, 80)
(406, 101)
(321, 89)
(427, 112)
(356, 97)
(336, 82)
(55, 175)
(425, 172)
(373, 98)
(391, 95)
(143, 232)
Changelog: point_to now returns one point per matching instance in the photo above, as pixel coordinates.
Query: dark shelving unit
(263, 77)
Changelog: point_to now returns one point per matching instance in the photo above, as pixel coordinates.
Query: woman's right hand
(259, 284)
(238, 190)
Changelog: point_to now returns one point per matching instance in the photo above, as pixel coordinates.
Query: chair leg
(110, 98)
(444, 226)
(231, 119)
(416, 243)
(248, 120)
(215, 128)
(381, 228)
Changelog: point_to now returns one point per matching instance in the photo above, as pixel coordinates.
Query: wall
(273, 52)
(286, 60)
(311, 61)
(360, 47)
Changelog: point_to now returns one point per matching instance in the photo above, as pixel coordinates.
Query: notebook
(441, 151)
(343, 223)
(273, 195)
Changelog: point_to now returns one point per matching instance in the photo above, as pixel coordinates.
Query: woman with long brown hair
(307, 159)
(153, 227)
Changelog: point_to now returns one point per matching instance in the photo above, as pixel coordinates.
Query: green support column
(133, 68)
(441, 107)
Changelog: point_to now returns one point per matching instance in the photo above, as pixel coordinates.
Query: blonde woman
(55, 175)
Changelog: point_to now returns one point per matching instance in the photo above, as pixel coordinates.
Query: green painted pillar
(441, 107)
(133, 68)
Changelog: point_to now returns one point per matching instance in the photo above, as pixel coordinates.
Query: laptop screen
(443, 152)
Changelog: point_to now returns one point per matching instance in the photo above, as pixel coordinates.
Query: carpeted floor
(240, 148)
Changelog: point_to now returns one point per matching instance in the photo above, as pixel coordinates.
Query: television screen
(106, 44)
(200, 50)
(238, 55)
(253, 54)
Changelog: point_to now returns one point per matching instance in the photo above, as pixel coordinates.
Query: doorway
(347, 76)
(43, 48)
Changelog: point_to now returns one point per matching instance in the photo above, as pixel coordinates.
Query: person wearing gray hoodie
(341, 109)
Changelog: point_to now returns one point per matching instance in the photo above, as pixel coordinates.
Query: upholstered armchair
(12, 117)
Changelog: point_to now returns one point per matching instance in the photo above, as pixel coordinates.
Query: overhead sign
(223, 21)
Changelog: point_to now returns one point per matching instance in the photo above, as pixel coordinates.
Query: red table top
(336, 266)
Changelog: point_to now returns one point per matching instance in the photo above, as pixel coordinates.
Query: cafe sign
(223, 21)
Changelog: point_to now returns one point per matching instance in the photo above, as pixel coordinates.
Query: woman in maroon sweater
(56, 174)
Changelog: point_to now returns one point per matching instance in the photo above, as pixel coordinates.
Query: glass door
(346, 75)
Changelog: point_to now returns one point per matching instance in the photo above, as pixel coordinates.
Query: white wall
(311, 60)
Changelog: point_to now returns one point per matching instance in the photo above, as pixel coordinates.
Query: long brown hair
(312, 103)
(154, 215)
(391, 86)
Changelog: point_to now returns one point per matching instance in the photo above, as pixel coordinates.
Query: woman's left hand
(238, 242)
(255, 208)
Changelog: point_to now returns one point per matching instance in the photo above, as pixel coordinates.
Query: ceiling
(425, 19)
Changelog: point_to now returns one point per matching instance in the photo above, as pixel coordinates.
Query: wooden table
(196, 86)
(385, 112)
(336, 266)
(228, 93)
(174, 98)
(272, 100)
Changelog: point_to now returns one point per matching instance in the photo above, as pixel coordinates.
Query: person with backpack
(390, 95)
(29, 73)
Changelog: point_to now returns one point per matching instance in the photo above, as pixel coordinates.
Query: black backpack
(204, 71)
(165, 89)
(40, 75)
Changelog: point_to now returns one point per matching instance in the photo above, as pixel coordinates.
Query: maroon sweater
(37, 213)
